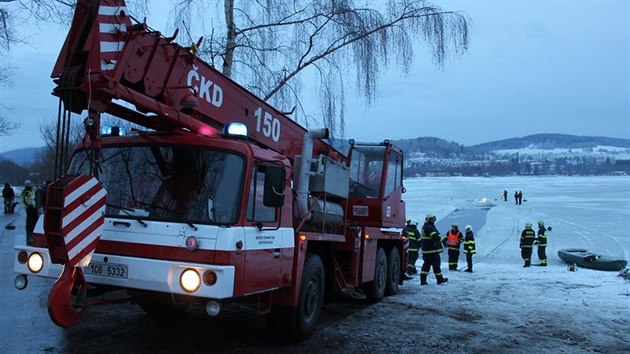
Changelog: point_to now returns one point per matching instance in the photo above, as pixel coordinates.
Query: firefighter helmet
(454, 225)
(412, 222)
(429, 216)
(541, 223)
(528, 225)
(468, 228)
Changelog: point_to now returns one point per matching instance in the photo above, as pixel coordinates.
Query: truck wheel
(376, 291)
(299, 322)
(393, 272)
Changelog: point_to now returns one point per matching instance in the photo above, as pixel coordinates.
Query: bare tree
(270, 45)
(44, 163)
(273, 46)
(12, 10)
(7, 126)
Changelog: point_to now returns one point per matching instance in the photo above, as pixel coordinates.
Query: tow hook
(67, 298)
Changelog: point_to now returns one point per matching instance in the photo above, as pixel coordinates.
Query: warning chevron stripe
(78, 227)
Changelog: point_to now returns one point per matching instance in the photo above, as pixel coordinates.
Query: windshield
(171, 183)
(366, 168)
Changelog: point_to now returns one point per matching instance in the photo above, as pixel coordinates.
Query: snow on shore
(505, 308)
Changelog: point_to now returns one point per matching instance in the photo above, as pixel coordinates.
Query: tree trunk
(231, 38)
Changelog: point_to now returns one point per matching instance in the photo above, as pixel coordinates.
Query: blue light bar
(234, 129)
(109, 130)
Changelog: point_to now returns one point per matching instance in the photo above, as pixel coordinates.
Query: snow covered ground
(505, 308)
(501, 307)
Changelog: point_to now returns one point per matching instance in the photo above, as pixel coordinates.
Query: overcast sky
(533, 67)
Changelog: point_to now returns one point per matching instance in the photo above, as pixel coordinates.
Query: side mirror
(273, 195)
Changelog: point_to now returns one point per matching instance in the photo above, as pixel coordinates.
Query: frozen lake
(585, 212)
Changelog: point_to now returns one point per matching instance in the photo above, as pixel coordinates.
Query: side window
(394, 179)
(256, 210)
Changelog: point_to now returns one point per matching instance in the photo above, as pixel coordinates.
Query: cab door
(263, 261)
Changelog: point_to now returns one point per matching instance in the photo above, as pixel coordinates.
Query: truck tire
(376, 290)
(393, 272)
(299, 322)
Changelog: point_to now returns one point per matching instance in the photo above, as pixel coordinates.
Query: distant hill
(440, 148)
(12, 173)
(548, 141)
(432, 146)
(22, 157)
(435, 147)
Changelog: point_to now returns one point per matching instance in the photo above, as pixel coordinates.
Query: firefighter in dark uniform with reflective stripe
(453, 241)
(414, 245)
(541, 241)
(431, 248)
(469, 247)
(527, 240)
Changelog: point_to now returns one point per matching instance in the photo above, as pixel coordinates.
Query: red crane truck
(217, 198)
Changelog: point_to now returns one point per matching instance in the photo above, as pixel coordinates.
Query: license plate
(112, 270)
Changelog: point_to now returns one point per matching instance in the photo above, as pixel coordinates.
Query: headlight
(35, 262)
(190, 280)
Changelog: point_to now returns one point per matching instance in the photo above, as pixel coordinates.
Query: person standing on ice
(431, 249)
(469, 247)
(504, 195)
(541, 241)
(527, 240)
(414, 244)
(453, 241)
(515, 197)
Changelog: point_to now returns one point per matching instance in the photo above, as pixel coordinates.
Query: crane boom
(184, 215)
(105, 57)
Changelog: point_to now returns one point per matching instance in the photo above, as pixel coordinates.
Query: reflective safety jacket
(527, 238)
(430, 239)
(542, 237)
(414, 237)
(28, 197)
(469, 243)
(453, 240)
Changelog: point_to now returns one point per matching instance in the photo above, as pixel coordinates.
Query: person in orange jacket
(453, 241)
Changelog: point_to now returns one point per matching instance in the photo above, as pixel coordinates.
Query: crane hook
(67, 297)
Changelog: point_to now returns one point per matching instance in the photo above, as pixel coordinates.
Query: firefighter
(453, 241)
(8, 194)
(431, 249)
(414, 245)
(469, 247)
(28, 200)
(527, 240)
(541, 241)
